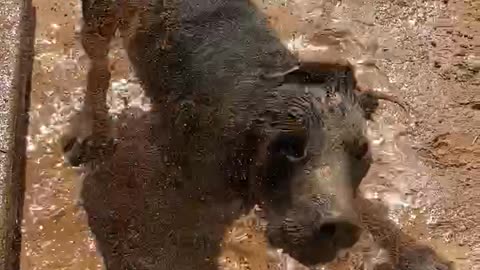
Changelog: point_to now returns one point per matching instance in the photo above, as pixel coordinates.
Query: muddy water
(403, 201)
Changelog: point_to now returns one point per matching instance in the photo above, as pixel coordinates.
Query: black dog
(238, 111)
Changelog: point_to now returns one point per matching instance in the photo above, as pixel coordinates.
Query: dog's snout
(341, 233)
(317, 242)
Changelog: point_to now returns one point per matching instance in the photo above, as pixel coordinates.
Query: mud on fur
(293, 142)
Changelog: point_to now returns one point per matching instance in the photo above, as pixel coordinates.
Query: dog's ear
(344, 82)
(369, 101)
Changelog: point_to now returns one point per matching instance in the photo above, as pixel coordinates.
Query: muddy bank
(424, 180)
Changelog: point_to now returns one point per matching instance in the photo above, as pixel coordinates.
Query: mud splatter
(422, 189)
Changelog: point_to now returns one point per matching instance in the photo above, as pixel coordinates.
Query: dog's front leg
(89, 134)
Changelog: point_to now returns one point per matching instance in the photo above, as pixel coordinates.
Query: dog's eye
(358, 148)
(292, 147)
(286, 155)
(361, 150)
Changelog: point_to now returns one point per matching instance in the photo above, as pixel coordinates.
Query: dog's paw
(81, 143)
(78, 152)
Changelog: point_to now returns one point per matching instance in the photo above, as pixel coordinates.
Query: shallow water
(404, 202)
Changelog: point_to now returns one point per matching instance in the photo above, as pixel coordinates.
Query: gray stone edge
(13, 183)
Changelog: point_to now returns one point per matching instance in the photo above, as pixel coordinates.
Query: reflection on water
(399, 192)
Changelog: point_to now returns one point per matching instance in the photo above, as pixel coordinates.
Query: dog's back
(200, 46)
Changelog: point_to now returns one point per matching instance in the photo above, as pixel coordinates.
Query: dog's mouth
(309, 252)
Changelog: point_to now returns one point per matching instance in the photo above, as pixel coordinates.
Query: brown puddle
(403, 205)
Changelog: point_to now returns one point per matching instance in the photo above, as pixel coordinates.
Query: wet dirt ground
(422, 194)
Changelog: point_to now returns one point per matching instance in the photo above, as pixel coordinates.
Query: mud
(422, 193)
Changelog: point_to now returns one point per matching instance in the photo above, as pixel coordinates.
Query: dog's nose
(327, 240)
(341, 233)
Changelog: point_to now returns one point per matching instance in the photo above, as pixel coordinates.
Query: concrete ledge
(17, 31)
